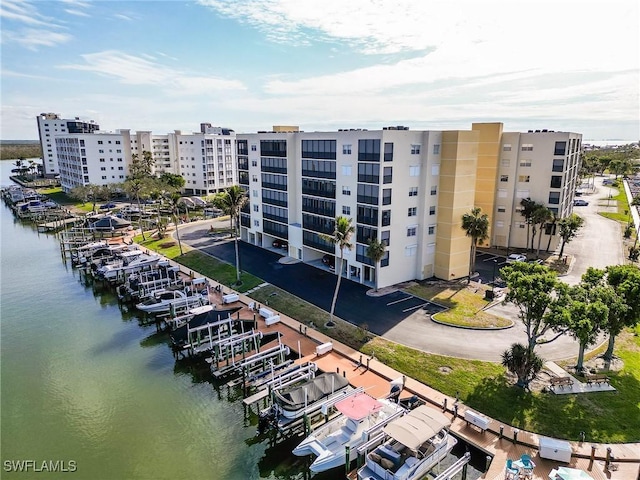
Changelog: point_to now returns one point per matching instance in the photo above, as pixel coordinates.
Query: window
(431, 229)
(256, 208)
(414, 171)
(388, 152)
(415, 149)
(524, 178)
(432, 210)
(558, 165)
(254, 148)
(434, 190)
(560, 148)
(436, 149)
(504, 178)
(411, 231)
(346, 170)
(522, 194)
(369, 150)
(556, 181)
(386, 196)
(254, 163)
(506, 147)
(499, 223)
(412, 211)
(99, 142)
(554, 198)
(346, 190)
(254, 178)
(256, 223)
(435, 169)
(346, 210)
(346, 149)
(505, 163)
(255, 193)
(117, 142)
(387, 174)
(527, 147)
(320, 149)
(385, 237)
(413, 192)
(502, 209)
(525, 163)
(410, 250)
(386, 218)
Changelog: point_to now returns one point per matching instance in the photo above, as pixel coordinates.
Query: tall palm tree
(528, 207)
(541, 216)
(174, 202)
(231, 202)
(135, 187)
(342, 239)
(376, 251)
(552, 231)
(476, 225)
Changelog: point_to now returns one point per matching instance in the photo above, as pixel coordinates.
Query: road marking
(414, 308)
(401, 300)
(489, 259)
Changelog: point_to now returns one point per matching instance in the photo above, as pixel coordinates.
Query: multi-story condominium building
(50, 125)
(206, 159)
(406, 188)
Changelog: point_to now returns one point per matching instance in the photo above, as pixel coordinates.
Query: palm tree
(135, 187)
(231, 202)
(174, 202)
(376, 251)
(541, 216)
(552, 229)
(522, 362)
(476, 225)
(528, 207)
(342, 238)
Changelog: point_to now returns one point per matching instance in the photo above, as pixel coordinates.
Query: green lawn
(465, 305)
(604, 416)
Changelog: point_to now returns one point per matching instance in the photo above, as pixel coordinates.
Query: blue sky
(568, 65)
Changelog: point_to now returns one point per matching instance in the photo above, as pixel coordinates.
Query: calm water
(83, 381)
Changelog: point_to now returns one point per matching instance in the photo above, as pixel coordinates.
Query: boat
(361, 416)
(162, 299)
(304, 399)
(411, 446)
(130, 262)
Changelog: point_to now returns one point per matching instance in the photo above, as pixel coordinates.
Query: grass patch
(312, 316)
(219, 271)
(465, 305)
(483, 387)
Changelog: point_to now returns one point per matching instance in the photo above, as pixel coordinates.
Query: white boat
(362, 415)
(307, 398)
(163, 299)
(132, 261)
(412, 446)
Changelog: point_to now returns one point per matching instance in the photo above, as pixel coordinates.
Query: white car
(516, 257)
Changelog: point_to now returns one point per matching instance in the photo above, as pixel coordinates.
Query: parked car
(108, 206)
(578, 202)
(539, 261)
(279, 244)
(516, 257)
(608, 181)
(329, 261)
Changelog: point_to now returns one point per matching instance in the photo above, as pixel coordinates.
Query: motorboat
(163, 299)
(129, 262)
(361, 416)
(304, 399)
(411, 446)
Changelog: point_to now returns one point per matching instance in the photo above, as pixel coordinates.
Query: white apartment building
(406, 188)
(206, 159)
(50, 125)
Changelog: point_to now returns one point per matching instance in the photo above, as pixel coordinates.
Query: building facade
(82, 154)
(406, 188)
(49, 126)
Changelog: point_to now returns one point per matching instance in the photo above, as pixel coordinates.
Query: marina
(239, 356)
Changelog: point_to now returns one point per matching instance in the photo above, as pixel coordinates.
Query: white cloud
(133, 70)
(123, 17)
(77, 13)
(22, 12)
(32, 38)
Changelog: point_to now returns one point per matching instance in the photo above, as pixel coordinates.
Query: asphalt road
(405, 319)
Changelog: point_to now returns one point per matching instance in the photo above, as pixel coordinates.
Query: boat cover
(417, 426)
(358, 406)
(316, 389)
(110, 222)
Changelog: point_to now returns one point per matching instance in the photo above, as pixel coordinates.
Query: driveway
(599, 241)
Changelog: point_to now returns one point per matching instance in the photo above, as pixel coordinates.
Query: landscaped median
(465, 305)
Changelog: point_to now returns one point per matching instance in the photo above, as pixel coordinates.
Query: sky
(567, 65)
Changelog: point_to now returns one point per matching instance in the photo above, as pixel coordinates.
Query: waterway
(86, 384)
